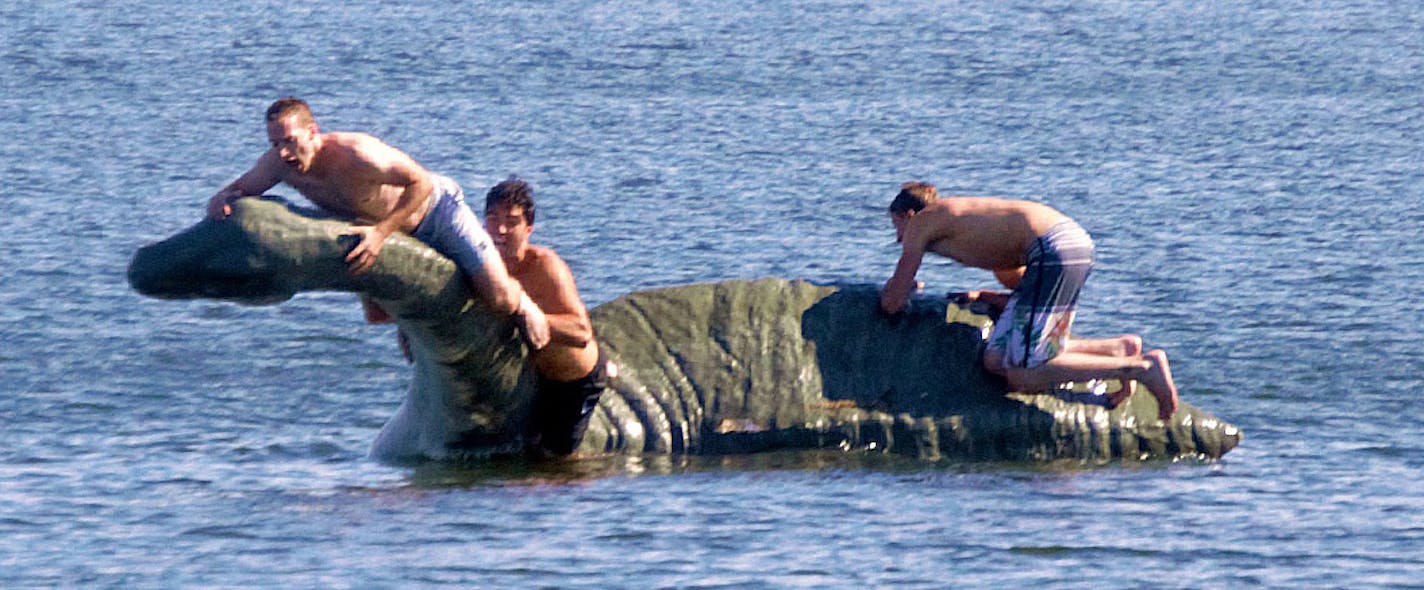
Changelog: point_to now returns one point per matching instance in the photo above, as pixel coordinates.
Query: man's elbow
(583, 333)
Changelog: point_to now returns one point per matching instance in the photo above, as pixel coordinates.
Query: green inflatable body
(731, 367)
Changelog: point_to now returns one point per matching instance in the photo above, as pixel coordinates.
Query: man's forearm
(569, 330)
(893, 297)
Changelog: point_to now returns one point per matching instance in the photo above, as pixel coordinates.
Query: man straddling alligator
(572, 369)
(1045, 258)
(357, 176)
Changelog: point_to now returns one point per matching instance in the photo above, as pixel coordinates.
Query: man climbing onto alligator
(1044, 257)
(572, 371)
(360, 177)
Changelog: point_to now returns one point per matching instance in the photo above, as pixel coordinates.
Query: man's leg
(1125, 345)
(1150, 369)
(455, 232)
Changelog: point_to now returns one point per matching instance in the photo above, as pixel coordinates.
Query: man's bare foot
(1158, 379)
(1131, 344)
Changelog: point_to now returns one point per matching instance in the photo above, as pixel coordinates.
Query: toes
(1131, 345)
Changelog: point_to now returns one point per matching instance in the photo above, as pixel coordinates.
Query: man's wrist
(525, 304)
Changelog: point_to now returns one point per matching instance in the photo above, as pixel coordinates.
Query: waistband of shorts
(1064, 236)
(598, 372)
(440, 188)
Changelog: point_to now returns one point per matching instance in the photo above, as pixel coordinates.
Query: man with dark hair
(572, 370)
(357, 176)
(1045, 258)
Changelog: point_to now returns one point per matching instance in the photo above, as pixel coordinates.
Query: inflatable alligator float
(720, 368)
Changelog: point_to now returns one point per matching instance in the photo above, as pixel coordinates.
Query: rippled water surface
(1250, 171)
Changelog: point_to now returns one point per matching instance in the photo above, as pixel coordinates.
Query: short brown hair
(515, 193)
(914, 196)
(290, 106)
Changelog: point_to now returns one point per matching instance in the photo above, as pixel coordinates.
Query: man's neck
(516, 263)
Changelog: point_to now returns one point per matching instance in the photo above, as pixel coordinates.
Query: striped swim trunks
(1036, 321)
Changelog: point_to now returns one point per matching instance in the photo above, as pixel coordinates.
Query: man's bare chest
(333, 193)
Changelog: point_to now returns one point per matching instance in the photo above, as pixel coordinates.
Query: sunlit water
(1250, 171)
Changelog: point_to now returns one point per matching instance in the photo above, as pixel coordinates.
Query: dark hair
(515, 193)
(290, 106)
(913, 196)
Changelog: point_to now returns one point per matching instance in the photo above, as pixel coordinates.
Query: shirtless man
(1044, 257)
(572, 370)
(357, 176)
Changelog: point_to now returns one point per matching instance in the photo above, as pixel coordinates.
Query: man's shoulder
(363, 149)
(545, 258)
(351, 139)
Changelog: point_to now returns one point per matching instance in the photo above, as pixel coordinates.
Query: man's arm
(504, 295)
(558, 296)
(263, 175)
(386, 165)
(896, 294)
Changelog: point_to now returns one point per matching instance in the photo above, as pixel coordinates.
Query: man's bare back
(982, 232)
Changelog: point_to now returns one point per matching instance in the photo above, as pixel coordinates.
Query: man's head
(292, 131)
(509, 217)
(912, 198)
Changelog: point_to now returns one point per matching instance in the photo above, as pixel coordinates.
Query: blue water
(1250, 171)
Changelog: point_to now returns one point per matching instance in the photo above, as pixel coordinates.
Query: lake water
(1251, 172)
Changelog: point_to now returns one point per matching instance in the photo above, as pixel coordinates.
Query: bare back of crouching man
(572, 370)
(1045, 258)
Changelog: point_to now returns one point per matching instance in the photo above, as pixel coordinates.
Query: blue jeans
(452, 229)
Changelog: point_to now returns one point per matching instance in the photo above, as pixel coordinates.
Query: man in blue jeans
(358, 176)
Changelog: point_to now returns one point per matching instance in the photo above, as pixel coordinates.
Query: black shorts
(562, 409)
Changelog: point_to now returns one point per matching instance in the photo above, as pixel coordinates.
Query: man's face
(509, 230)
(899, 220)
(294, 141)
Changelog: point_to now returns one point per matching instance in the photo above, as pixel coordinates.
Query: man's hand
(533, 323)
(892, 306)
(220, 206)
(363, 256)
